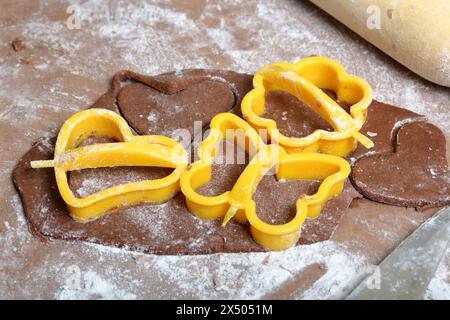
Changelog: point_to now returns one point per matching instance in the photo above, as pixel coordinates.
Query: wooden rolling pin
(416, 33)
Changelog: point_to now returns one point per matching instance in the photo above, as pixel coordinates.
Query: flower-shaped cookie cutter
(238, 202)
(306, 80)
(131, 150)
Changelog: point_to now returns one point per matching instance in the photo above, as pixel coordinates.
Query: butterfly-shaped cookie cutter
(131, 150)
(238, 202)
(306, 80)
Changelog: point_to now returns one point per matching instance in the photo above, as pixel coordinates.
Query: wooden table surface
(61, 71)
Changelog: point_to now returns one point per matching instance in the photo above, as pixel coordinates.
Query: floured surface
(62, 71)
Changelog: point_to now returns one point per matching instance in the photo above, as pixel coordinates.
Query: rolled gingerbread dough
(170, 228)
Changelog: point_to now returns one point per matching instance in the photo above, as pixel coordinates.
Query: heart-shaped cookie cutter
(238, 202)
(306, 80)
(131, 150)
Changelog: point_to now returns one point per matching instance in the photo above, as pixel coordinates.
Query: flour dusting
(63, 71)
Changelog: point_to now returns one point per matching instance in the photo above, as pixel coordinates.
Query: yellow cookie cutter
(305, 79)
(131, 150)
(239, 203)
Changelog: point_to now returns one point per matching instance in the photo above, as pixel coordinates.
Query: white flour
(139, 36)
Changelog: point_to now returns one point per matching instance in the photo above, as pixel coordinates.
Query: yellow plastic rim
(238, 202)
(306, 80)
(131, 150)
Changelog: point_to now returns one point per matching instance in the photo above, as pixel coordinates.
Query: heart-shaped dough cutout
(164, 103)
(413, 174)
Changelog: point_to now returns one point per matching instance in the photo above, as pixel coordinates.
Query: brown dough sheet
(169, 228)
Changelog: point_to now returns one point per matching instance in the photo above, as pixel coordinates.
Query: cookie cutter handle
(42, 164)
(267, 158)
(366, 142)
